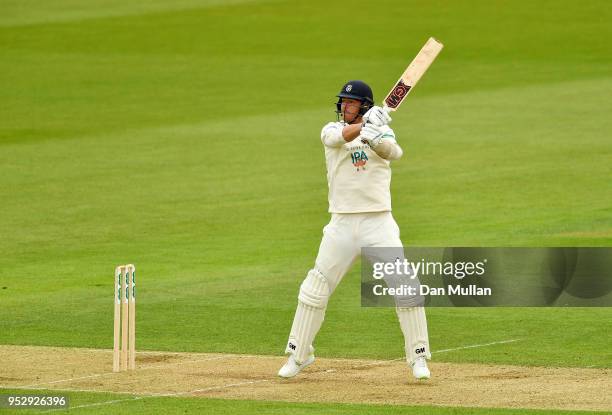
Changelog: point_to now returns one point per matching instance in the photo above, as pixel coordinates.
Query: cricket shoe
(292, 368)
(420, 369)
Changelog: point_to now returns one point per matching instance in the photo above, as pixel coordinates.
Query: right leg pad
(312, 302)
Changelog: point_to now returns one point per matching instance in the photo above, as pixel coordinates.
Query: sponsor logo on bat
(397, 95)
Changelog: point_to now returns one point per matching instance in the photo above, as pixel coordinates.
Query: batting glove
(371, 134)
(376, 116)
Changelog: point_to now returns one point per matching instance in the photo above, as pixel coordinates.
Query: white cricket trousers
(340, 247)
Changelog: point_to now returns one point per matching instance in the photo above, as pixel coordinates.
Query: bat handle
(386, 108)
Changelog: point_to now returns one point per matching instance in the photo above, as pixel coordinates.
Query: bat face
(412, 74)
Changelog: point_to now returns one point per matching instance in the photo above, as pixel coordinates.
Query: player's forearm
(351, 132)
(388, 150)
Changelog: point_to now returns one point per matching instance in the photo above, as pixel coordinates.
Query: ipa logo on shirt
(359, 159)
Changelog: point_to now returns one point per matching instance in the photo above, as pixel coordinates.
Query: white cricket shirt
(359, 180)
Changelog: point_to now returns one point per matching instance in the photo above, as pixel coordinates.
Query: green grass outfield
(183, 137)
(131, 405)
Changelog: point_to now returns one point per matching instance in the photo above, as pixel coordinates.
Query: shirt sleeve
(388, 147)
(331, 134)
(388, 134)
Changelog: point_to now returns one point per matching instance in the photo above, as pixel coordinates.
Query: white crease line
(471, 346)
(88, 390)
(378, 362)
(212, 388)
(156, 395)
(96, 375)
(476, 345)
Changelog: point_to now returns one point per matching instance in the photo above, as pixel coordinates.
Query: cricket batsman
(359, 148)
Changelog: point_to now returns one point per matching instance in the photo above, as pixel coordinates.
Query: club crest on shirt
(359, 159)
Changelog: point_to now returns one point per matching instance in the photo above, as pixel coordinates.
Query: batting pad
(312, 301)
(414, 326)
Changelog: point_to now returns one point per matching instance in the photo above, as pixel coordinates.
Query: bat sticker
(397, 95)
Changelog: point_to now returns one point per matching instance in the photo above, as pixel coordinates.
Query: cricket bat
(412, 74)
